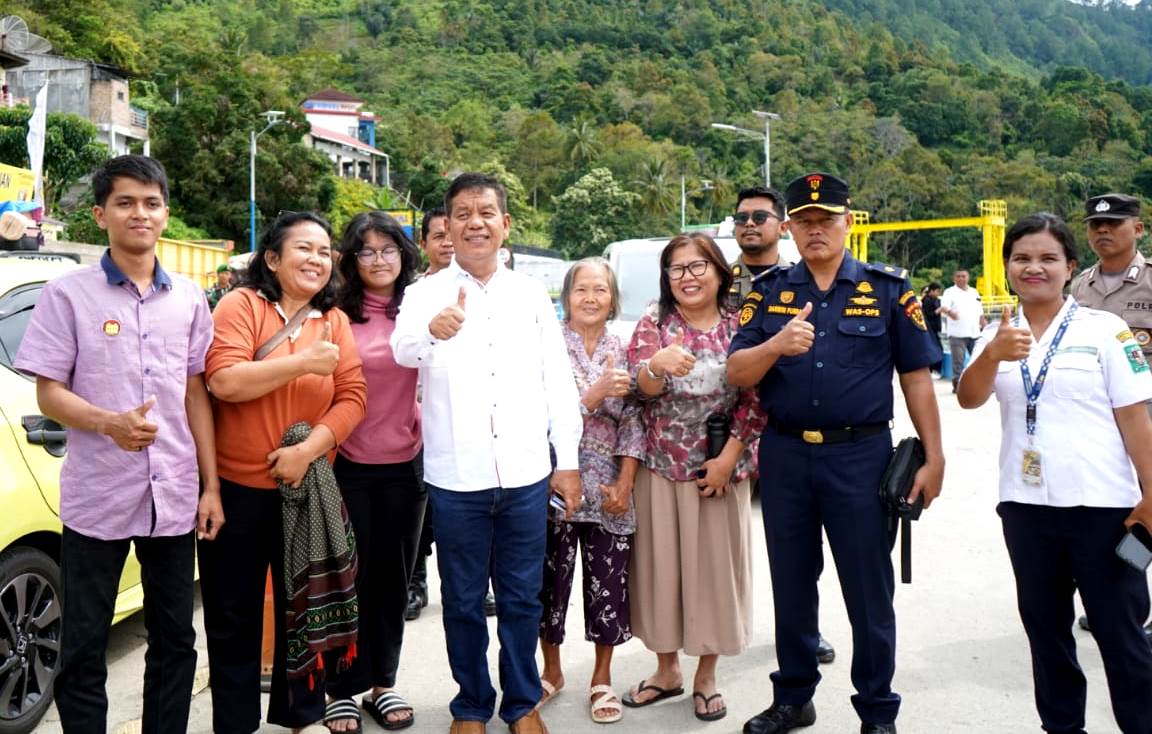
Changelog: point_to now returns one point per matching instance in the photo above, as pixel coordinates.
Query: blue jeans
(499, 532)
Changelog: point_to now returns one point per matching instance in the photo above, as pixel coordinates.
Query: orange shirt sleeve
(237, 330)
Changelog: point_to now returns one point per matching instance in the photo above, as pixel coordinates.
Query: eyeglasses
(368, 256)
(696, 267)
(758, 217)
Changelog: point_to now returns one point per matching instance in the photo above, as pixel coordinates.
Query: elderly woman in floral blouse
(691, 579)
(610, 453)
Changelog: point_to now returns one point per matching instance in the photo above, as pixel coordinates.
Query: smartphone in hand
(557, 503)
(1135, 548)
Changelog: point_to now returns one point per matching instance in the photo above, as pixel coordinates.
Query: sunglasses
(758, 217)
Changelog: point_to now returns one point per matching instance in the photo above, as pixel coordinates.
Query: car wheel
(29, 637)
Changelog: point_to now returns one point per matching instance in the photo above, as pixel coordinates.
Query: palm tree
(584, 146)
(659, 190)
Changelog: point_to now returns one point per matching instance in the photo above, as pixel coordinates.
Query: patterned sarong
(319, 567)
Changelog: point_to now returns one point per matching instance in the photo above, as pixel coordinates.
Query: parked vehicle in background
(637, 267)
(32, 449)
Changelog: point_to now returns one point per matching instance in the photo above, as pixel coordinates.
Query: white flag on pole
(36, 133)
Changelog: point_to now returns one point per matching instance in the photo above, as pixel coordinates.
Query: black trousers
(1054, 552)
(90, 570)
(420, 570)
(386, 505)
(233, 569)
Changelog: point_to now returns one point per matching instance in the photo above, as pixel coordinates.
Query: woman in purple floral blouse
(610, 454)
(691, 581)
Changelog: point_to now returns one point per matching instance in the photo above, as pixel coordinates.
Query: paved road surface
(962, 658)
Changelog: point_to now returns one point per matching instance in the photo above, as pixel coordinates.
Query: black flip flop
(385, 703)
(342, 709)
(708, 715)
(661, 694)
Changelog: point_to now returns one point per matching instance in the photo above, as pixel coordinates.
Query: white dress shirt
(1082, 455)
(497, 392)
(968, 307)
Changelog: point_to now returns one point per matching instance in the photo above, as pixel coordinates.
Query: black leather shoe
(489, 605)
(877, 729)
(825, 653)
(417, 600)
(781, 718)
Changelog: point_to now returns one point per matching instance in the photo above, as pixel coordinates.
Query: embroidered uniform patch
(747, 313)
(1124, 336)
(111, 327)
(914, 312)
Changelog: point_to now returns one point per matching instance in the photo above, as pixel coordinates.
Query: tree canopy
(925, 106)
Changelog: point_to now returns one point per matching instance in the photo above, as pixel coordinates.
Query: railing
(139, 117)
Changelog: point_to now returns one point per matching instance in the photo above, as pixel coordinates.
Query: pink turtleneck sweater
(390, 432)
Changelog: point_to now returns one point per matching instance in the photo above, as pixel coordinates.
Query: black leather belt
(828, 435)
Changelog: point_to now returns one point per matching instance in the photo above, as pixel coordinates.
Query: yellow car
(32, 449)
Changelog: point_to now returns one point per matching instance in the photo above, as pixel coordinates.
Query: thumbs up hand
(1011, 343)
(673, 359)
(131, 430)
(322, 355)
(612, 383)
(450, 320)
(797, 336)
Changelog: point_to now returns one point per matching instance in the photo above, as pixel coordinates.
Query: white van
(637, 267)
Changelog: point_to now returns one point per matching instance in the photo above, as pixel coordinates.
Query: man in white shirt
(964, 314)
(498, 389)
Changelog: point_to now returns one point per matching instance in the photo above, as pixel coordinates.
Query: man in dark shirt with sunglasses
(759, 214)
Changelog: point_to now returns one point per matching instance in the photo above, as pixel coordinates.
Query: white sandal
(550, 692)
(607, 700)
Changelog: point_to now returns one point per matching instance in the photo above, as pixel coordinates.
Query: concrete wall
(68, 83)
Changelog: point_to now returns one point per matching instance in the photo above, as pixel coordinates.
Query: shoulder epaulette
(888, 270)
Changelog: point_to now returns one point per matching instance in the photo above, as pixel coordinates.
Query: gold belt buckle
(812, 436)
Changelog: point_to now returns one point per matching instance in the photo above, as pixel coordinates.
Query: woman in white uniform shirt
(1068, 474)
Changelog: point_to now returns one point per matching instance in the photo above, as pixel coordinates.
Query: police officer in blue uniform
(821, 339)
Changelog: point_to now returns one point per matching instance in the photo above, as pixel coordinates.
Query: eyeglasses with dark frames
(696, 267)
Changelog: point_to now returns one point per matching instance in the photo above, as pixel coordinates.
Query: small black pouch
(895, 485)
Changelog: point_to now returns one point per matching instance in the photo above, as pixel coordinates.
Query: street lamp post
(766, 136)
(274, 118)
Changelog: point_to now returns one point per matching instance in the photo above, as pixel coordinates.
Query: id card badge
(1030, 469)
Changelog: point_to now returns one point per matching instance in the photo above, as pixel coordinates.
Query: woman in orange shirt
(314, 376)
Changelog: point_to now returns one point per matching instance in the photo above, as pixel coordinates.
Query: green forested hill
(924, 123)
(1110, 37)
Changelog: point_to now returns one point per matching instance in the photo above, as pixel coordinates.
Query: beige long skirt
(690, 584)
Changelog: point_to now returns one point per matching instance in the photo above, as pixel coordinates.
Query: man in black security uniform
(820, 339)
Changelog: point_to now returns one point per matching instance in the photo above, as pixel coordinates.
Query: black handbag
(895, 485)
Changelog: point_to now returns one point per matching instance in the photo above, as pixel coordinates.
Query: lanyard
(1032, 389)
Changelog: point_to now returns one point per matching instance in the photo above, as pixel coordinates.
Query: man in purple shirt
(118, 352)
